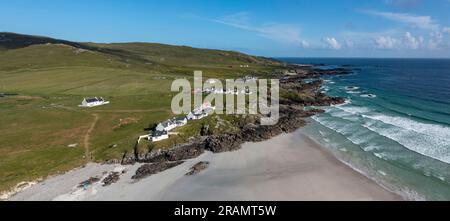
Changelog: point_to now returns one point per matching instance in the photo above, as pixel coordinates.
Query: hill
(142, 55)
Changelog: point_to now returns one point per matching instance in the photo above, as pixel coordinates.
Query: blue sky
(303, 28)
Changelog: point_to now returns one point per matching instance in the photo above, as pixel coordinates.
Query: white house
(249, 78)
(93, 102)
(201, 112)
(159, 136)
(211, 81)
(166, 126)
(195, 115)
(208, 111)
(180, 121)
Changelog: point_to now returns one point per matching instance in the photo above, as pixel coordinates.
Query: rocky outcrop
(290, 120)
(197, 168)
(187, 151)
(111, 179)
(335, 71)
(154, 168)
(88, 182)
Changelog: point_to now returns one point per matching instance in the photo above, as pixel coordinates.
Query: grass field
(39, 124)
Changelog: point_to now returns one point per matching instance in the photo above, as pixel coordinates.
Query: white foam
(441, 178)
(427, 139)
(434, 130)
(381, 156)
(354, 109)
(425, 144)
(351, 88)
(382, 172)
(369, 95)
(371, 148)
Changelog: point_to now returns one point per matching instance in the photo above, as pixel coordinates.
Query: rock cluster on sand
(88, 182)
(197, 168)
(111, 178)
(154, 168)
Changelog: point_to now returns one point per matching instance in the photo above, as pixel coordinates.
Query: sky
(274, 28)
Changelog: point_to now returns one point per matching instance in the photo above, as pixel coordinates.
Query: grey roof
(180, 118)
(208, 110)
(91, 100)
(166, 123)
(95, 99)
(159, 133)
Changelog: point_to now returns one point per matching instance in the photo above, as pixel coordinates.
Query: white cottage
(196, 115)
(166, 126)
(93, 102)
(199, 113)
(159, 136)
(180, 121)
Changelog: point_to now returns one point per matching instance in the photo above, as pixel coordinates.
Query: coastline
(287, 167)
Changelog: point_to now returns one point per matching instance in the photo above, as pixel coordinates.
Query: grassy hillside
(52, 76)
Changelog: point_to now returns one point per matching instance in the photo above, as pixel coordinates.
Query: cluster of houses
(227, 91)
(162, 130)
(235, 91)
(93, 102)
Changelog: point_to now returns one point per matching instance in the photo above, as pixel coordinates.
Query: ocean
(394, 127)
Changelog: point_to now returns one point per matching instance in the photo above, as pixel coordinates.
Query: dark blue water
(395, 126)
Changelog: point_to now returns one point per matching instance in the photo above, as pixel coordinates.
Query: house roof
(208, 110)
(159, 133)
(166, 123)
(95, 99)
(180, 119)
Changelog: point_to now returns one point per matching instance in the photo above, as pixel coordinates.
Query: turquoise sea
(395, 126)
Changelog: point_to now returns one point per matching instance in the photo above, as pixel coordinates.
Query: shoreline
(287, 167)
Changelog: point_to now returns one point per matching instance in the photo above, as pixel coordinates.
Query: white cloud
(423, 22)
(333, 43)
(435, 40)
(412, 42)
(386, 42)
(446, 29)
(349, 43)
(278, 32)
(305, 44)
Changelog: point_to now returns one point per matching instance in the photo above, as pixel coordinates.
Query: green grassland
(51, 77)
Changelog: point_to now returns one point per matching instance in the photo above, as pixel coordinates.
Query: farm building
(201, 112)
(159, 136)
(196, 115)
(167, 125)
(180, 121)
(93, 102)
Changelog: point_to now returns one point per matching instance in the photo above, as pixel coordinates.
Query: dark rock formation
(197, 168)
(223, 143)
(154, 168)
(336, 71)
(88, 182)
(290, 120)
(184, 152)
(111, 179)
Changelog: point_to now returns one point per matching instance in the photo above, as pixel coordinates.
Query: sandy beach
(289, 167)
